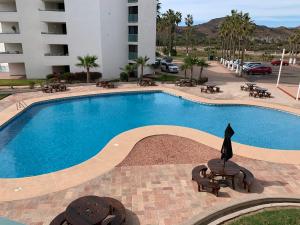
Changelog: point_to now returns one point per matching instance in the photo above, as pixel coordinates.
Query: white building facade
(41, 37)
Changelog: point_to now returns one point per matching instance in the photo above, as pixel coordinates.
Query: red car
(260, 69)
(278, 62)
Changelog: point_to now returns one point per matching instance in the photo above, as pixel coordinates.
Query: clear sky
(273, 13)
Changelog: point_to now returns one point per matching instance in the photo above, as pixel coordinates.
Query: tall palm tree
(171, 19)
(87, 62)
(190, 61)
(142, 62)
(178, 19)
(184, 67)
(202, 64)
(189, 21)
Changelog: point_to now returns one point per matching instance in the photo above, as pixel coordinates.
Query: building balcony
(133, 18)
(132, 55)
(57, 50)
(132, 37)
(9, 28)
(53, 6)
(54, 28)
(8, 6)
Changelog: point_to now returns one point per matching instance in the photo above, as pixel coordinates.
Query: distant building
(41, 37)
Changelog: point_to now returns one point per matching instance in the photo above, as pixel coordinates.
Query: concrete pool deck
(120, 146)
(161, 194)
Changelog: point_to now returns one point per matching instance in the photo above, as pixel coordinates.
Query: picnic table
(260, 92)
(185, 83)
(146, 82)
(210, 87)
(89, 210)
(249, 86)
(229, 171)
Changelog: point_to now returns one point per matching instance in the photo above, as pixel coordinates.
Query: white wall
(83, 27)
(147, 31)
(95, 27)
(114, 36)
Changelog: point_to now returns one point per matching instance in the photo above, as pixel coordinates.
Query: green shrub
(124, 77)
(31, 84)
(69, 77)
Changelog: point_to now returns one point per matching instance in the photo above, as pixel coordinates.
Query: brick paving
(157, 194)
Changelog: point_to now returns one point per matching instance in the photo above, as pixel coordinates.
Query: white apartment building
(40, 37)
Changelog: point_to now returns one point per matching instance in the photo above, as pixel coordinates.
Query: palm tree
(129, 69)
(178, 19)
(87, 62)
(189, 21)
(202, 64)
(171, 19)
(190, 61)
(142, 62)
(184, 67)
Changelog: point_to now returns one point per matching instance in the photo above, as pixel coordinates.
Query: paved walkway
(158, 194)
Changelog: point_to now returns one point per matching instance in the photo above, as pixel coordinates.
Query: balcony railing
(52, 10)
(132, 38)
(8, 10)
(133, 18)
(12, 52)
(132, 55)
(56, 54)
(53, 33)
(9, 32)
(132, 1)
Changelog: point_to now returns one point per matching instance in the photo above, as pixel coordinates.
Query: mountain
(210, 30)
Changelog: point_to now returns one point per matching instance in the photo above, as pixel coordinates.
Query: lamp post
(280, 69)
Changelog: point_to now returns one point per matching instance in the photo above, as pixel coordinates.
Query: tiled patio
(158, 194)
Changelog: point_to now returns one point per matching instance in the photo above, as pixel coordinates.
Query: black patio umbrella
(227, 147)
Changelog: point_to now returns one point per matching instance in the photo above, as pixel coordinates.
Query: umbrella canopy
(227, 147)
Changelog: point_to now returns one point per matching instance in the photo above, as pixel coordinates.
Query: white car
(248, 65)
(170, 68)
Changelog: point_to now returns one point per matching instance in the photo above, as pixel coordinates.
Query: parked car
(259, 69)
(169, 68)
(278, 62)
(166, 60)
(248, 65)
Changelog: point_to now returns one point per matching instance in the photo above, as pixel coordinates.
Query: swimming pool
(52, 136)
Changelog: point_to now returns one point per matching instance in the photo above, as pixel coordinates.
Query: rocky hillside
(210, 29)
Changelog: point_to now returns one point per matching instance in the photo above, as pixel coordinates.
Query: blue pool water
(56, 135)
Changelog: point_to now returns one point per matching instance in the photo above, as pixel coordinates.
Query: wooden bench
(204, 183)
(118, 210)
(248, 178)
(203, 89)
(199, 170)
(59, 220)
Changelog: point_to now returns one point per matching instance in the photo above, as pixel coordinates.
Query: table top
(261, 89)
(210, 84)
(250, 84)
(89, 210)
(217, 167)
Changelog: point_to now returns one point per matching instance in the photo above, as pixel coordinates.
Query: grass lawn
(3, 96)
(284, 216)
(167, 78)
(11, 82)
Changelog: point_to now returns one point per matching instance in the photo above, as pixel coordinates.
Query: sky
(272, 13)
